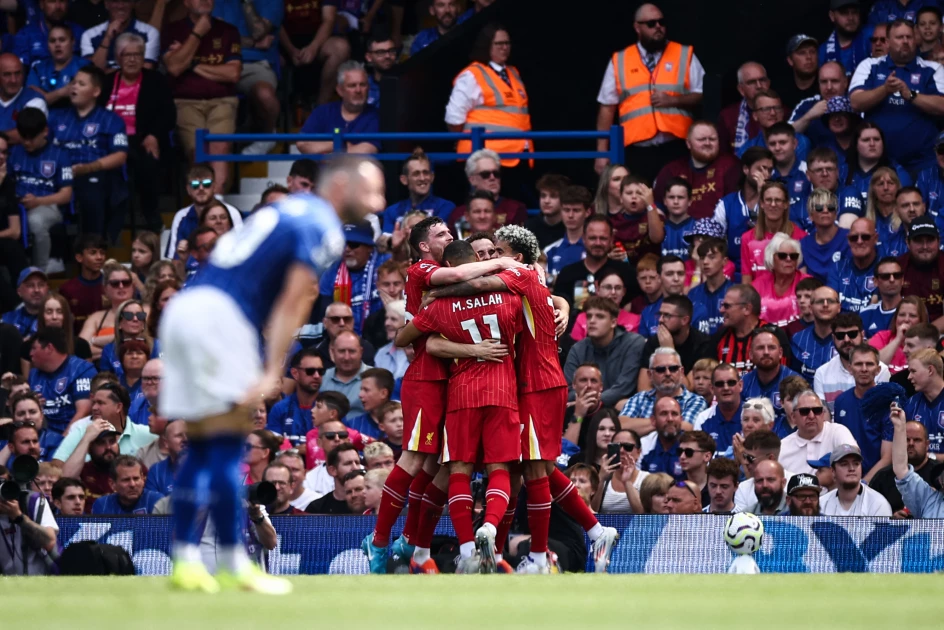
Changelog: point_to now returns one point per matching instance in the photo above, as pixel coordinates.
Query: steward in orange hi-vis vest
(505, 110)
(634, 83)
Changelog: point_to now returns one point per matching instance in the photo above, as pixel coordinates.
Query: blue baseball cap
(26, 273)
(359, 233)
(822, 462)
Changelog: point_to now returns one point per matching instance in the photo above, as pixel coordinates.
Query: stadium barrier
(477, 136)
(648, 544)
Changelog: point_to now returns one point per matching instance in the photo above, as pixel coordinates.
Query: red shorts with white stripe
(542, 423)
(424, 410)
(489, 435)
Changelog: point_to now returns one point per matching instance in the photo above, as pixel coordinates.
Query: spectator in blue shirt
(52, 75)
(822, 171)
(475, 9)
(927, 405)
(160, 478)
(889, 279)
(807, 117)
(129, 496)
(97, 144)
(376, 388)
(930, 181)
(769, 113)
(14, 98)
(884, 11)
(31, 42)
(813, 346)
(258, 22)
(664, 456)
(292, 417)
(849, 42)
(381, 56)
(576, 206)
(445, 13)
(853, 276)
(928, 27)
(904, 95)
(867, 153)
(98, 42)
(33, 288)
(418, 177)
(725, 421)
(351, 114)
(43, 181)
(827, 245)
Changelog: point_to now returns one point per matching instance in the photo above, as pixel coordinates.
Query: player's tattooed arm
(484, 284)
(487, 350)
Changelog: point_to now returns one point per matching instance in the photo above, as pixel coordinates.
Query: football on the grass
(744, 533)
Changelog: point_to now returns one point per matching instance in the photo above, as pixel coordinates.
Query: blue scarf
(744, 119)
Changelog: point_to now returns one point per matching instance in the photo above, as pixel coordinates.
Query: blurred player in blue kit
(261, 276)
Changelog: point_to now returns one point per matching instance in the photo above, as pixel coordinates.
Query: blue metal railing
(477, 136)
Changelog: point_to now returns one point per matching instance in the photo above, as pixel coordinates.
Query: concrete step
(278, 170)
(257, 185)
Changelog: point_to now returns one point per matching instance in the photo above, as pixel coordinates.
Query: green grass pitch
(573, 602)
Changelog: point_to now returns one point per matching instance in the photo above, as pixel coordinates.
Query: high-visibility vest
(634, 84)
(505, 110)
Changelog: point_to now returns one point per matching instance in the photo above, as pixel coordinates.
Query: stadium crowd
(732, 291)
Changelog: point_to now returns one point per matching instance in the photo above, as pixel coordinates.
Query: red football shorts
(487, 434)
(424, 409)
(542, 423)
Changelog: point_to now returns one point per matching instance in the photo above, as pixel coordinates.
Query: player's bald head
(458, 253)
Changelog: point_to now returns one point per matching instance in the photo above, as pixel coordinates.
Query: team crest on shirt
(837, 256)
(47, 168)
(776, 400)
(935, 284)
(217, 43)
(915, 78)
(61, 128)
(90, 129)
(940, 419)
(61, 384)
(870, 283)
(678, 469)
(798, 186)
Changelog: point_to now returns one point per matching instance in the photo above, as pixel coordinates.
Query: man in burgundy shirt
(924, 267)
(203, 56)
(711, 173)
(483, 169)
(735, 123)
(84, 291)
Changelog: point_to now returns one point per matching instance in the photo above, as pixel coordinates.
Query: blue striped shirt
(751, 387)
(101, 132)
(290, 420)
(931, 415)
(855, 286)
(674, 244)
(875, 319)
(42, 173)
(109, 504)
(810, 352)
(711, 301)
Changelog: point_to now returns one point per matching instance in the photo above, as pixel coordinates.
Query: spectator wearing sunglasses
(836, 375)
(99, 329)
(675, 331)
(815, 435)
(889, 281)
(131, 320)
(331, 435)
(696, 448)
(813, 346)
(483, 170)
(777, 289)
(722, 421)
(338, 317)
(662, 454)
(828, 243)
(291, 417)
(667, 374)
(200, 186)
(617, 488)
(145, 405)
(853, 276)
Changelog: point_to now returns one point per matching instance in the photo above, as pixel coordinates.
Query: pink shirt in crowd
(779, 310)
(752, 251)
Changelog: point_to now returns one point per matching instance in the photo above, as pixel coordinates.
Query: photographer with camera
(27, 525)
(920, 498)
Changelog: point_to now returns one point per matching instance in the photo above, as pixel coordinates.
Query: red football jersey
(473, 382)
(424, 366)
(538, 363)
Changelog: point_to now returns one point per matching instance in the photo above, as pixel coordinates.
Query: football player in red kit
(482, 421)
(423, 394)
(542, 400)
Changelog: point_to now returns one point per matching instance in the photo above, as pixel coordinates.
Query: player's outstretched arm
(470, 287)
(407, 335)
(487, 350)
(452, 275)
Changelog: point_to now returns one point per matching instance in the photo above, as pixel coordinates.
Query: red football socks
(460, 506)
(415, 501)
(391, 504)
(501, 537)
(564, 492)
(539, 513)
(497, 496)
(430, 512)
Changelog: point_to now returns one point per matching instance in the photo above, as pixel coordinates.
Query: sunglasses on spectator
(690, 452)
(727, 305)
(201, 183)
(129, 317)
(662, 369)
(313, 370)
(757, 406)
(877, 40)
(750, 459)
(340, 319)
(335, 435)
(824, 208)
(114, 284)
(805, 411)
(845, 334)
(19, 424)
(289, 451)
(629, 447)
(788, 255)
(865, 238)
(682, 484)
(383, 51)
(728, 383)
(489, 174)
(652, 23)
(893, 275)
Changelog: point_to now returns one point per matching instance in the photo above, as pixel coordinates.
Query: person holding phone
(618, 489)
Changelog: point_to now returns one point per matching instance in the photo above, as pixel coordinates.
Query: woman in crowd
(603, 425)
(881, 207)
(142, 98)
(57, 314)
(890, 343)
(145, 251)
(865, 157)
(777, 289)
(161, 271)
(609, 285)
(99, 328)
(131, 318)
(52, 76)
(608, 198)
(162, 294)
(756, 414)
(132, 355)
(654, 493)
(823, 248)
(618, 491)
(216, 216)
(390, 357)
(586, 479)
(773, 217)
(261, 448)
